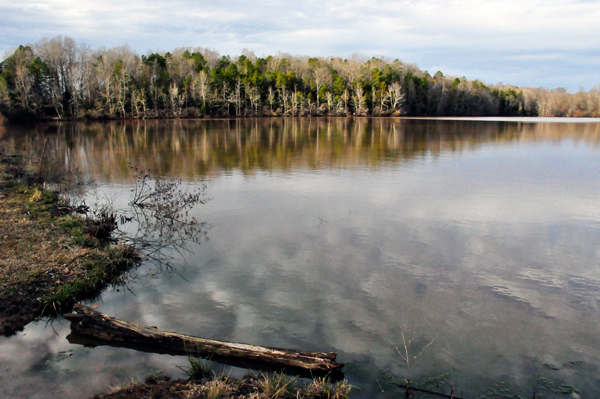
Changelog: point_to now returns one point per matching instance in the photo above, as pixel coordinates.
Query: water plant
(276, 385)
(199, 368)
(408, 358)
(322, 387)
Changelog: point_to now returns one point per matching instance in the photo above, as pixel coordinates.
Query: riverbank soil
(49, 257)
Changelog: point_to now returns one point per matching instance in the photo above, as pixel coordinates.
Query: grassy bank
(263, 386)
(51, 256)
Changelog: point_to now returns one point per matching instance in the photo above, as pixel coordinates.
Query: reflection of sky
(495, 249)
(40, 363)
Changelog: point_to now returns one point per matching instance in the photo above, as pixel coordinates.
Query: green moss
(99, 270)
(69, 222)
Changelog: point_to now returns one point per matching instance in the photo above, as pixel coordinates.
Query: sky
(529, 43)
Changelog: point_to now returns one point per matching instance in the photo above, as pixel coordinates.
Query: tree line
(59, 78)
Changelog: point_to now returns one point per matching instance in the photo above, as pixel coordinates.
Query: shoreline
(50, 257)
(530, 119)
(51, 260)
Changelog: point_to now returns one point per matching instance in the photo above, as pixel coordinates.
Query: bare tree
(237, 97)
(4, 93)
(60, 54)
(122, 92)
(271, 98)
(253, 94)
(104, 71)
(203, 86)
(80, 83)
(395, 96)
(295, 101)
(225, 99)
(24, 85)
(249, 54)
(273, 63)
(342, 106)
(175, 100)
(360, 101)
(330, 106)
(283, 96)
(138, 103)
(350, 70)
(322, 76)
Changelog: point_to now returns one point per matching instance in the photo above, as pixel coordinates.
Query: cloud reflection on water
(339, 236)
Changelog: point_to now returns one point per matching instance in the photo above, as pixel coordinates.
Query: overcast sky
(550, 43)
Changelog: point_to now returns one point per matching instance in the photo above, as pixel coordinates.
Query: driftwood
(87, 323)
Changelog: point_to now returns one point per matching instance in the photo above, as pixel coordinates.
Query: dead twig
(408, 359)
(440, 394)
(42, 159)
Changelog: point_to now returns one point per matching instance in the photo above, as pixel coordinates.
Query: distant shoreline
(59, 78)
(532, 119)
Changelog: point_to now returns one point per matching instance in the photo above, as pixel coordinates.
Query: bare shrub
(160, 207)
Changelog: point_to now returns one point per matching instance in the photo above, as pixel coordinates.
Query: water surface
(341, 235)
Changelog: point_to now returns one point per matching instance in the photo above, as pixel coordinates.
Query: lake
(345, 235)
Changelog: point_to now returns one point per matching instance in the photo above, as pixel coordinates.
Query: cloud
(473, 38)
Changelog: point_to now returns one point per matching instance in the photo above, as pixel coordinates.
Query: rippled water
(341, 235)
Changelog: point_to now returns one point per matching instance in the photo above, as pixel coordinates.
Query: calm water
(340, 235)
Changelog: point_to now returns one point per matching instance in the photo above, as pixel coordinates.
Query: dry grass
(47, 259)
(263, 386)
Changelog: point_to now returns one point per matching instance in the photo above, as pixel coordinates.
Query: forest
(58, 78)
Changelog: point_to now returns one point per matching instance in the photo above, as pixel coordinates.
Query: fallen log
(86, 322)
